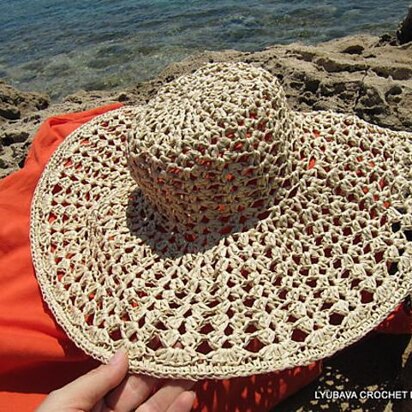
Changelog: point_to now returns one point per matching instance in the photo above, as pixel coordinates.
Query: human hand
(109, 389)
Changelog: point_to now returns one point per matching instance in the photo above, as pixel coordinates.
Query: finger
(165, 396)
(86, 391)
(132, 392)
(183, 403)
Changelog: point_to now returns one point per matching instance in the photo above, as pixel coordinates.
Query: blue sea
(61, 46)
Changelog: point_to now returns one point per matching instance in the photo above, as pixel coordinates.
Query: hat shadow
(372, 365)
(171, 241)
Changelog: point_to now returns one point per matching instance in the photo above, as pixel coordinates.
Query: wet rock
(404, 32)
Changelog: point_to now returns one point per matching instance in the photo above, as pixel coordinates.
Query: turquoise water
(61, 46)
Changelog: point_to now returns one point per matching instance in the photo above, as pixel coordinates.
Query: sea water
(61, 46)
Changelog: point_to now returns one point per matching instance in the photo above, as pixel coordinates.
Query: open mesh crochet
(251, 238)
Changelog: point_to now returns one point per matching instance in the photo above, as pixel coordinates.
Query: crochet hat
(214, 232)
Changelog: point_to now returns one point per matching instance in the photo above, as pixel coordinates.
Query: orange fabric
(35, 354)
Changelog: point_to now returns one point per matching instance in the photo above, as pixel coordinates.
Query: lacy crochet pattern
(216, 233)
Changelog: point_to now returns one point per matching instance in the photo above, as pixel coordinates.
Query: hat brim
(319, 270)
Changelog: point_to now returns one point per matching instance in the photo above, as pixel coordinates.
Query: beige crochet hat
(213, 232)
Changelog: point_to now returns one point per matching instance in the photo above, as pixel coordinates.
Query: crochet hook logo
(378, 394)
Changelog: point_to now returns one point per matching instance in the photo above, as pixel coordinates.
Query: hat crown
(212, 144)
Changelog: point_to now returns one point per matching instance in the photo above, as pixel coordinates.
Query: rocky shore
(369, 76)
(366, 75)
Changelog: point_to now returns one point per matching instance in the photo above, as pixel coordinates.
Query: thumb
(86, 391)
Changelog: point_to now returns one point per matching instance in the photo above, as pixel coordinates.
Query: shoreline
(366, 75)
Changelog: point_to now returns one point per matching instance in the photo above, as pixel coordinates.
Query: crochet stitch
(214, 232)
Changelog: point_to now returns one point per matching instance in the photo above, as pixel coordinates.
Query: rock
(11, 137)
(388, 39)
(393, 91)
(3, 164)
(84, 99)
(354, 49)
(7, 162)
(312, 85)
(404, 32)
(8, 111)
(123, 97)
(404, 110)
(15, 103)
(74, 98)
(19, 153)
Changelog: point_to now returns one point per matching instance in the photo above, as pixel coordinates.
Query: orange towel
(37, 357)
